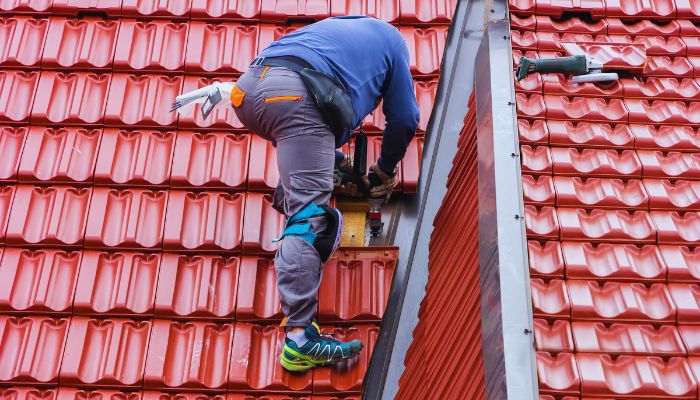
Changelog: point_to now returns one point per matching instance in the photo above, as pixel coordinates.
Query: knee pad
(325, 242)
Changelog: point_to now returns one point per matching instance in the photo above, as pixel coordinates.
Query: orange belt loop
(284, 322)
(264, 72)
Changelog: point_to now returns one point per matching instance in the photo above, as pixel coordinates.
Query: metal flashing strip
(414, 222)
(508, 343)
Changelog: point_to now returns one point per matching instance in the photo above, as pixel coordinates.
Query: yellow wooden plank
(354, 218)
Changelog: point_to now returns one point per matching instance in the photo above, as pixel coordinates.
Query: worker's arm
(401, 111)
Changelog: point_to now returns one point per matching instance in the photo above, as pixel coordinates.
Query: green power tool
(584, 68)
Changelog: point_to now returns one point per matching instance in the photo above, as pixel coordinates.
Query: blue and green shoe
(321, 349)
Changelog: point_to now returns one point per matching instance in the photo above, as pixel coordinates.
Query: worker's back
(359, 52)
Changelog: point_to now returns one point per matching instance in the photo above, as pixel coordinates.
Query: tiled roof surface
(610, 181)
(137, 258)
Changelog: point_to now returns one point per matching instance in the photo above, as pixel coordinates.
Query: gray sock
(298, 337)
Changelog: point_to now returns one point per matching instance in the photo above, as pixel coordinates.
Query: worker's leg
(281, 110)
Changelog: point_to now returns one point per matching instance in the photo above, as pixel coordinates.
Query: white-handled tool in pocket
(210, 97)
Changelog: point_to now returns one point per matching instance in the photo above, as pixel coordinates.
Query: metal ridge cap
(507, 340)
(415, 223)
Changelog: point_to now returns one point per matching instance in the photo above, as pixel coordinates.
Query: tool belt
(329, 95)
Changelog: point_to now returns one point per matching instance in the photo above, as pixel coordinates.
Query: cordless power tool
(359, 170)
(583, 67)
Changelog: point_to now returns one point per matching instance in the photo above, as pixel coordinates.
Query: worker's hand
(345, 165)
(387, 186)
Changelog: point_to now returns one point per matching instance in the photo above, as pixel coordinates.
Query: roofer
(305, 93)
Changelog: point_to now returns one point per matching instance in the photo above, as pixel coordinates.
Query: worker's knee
(324, 242)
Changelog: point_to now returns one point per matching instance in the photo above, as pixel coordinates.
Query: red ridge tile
(220, 119)
(194, 222)
(116, 284)
(596, 337)
(677, 228)
(211, 160)
(61, 100)
(189, 356)
(26, 6)
(601, 375)
(38, 281)
(100, 394)
(594, 162)
(663, 9)
(23, 42)
(426, 12)
(65, 155)
(108, 352)
(80, 43)
(197, 287)
(607, 262)
(536, 159)
(538, 190)
(7, 194)
(663, 112)
(17, 90)
(585, 108)
(558, 374)
(281, 11)
(346, 377)
(533, 131)
(126, 219)
(262, 171)
(75, 7)
(590, 135)
(172, 9)
(425, 48)
(261, 224)
(48, 216)
(270, 33)
(545, 261)
(623, 302)
(642, 27)
(12, 141)
(157, 46)
(570, 25)
(386, 10)
(555, 8)
(553, 337)
(677, 67)
(687, 27)
(134, 158)
(221, 48)
(526, 22)
(603, 193)
(541, 223)
(31, 349)
(661, 88)
(606, 225)
(258, 297)
(550, 299)
(530, 106)
(664, 137)
(687, 9)
(683, 263)
(142, 100)
(672, 164)
(255, 366)
(221, 10)
(355, 286)
(677, 195)
(27, 393)
(687, 300)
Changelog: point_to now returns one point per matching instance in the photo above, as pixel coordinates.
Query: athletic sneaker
(321, 349)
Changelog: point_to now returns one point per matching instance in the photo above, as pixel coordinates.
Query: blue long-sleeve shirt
(369, 57)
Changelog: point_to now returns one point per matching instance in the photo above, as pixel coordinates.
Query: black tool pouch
(331, 99)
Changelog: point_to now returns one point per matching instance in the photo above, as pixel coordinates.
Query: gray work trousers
(277, 107)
